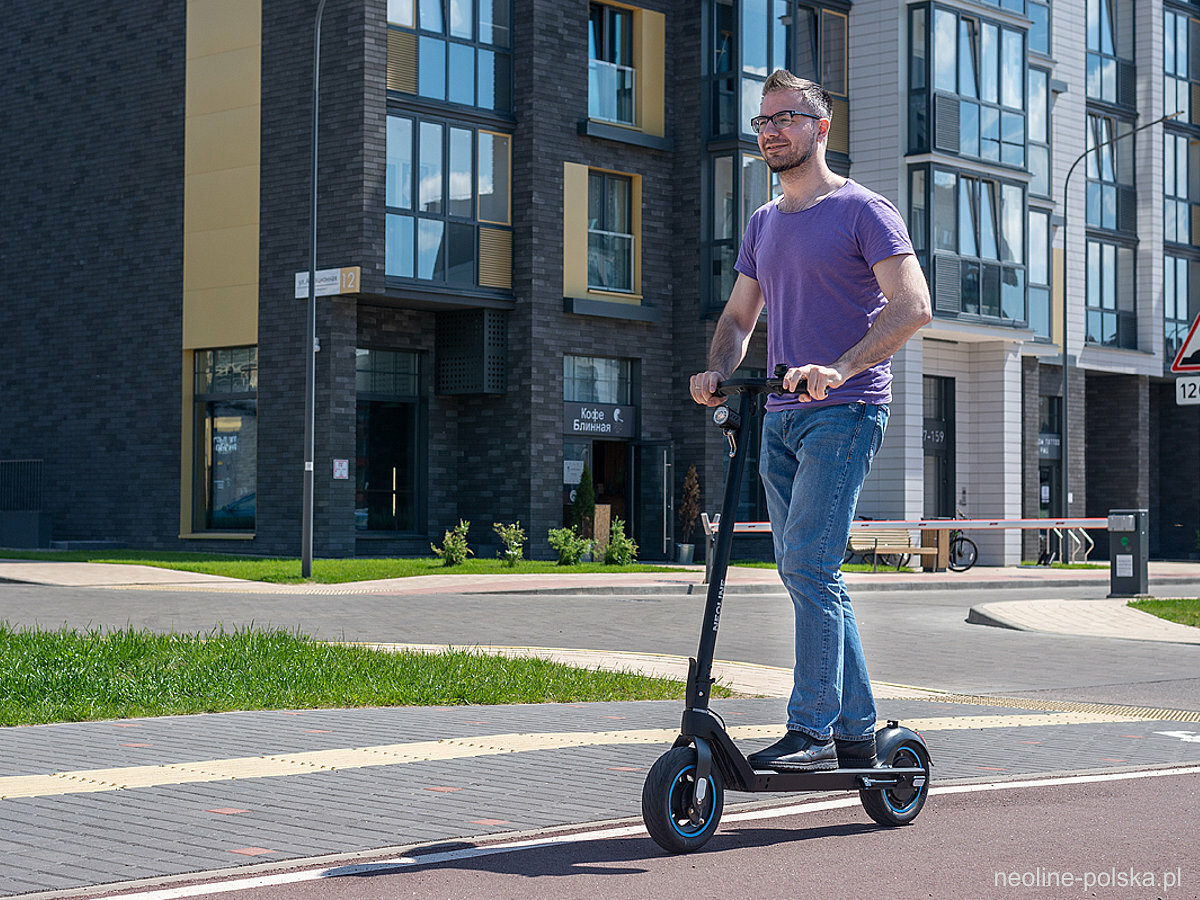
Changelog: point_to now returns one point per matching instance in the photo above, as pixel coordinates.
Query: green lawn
(71, 676)
(1185, 612)
(325, 571)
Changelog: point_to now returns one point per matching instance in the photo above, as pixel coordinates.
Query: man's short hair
(815, 95)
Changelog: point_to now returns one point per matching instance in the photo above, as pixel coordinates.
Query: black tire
(963, 554)
(848, 555)
(898, 806)
(667, 796)
(894, 560)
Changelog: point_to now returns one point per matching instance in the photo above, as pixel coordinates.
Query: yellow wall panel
(651, 63)
(224, 199)
(222, 257)
(575, 236)
(223, 140)
(214, 26)
(221, 317)
(223, 81)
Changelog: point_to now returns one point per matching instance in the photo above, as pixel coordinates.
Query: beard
(795, 160)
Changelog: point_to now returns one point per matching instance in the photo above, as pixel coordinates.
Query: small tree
(569, 545)
(620, 550)
(514, 542)
(689, 505)
(583, 507)
(454, 549)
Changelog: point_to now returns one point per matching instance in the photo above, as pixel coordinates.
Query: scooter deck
(879, 778)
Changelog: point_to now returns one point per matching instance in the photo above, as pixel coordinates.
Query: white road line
(405, 862)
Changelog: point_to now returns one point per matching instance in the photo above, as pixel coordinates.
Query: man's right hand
(704, 388)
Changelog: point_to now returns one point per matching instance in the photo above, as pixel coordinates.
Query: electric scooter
(684, 793)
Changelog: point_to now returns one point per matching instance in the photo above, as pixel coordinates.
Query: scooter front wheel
(676, 821)
(898, 748)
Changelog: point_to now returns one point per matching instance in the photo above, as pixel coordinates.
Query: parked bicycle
(963, 551)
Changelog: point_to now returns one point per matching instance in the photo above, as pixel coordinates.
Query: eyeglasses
(780, 120)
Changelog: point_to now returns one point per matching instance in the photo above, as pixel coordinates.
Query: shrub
(454, 550)
(569, 544)
(621, 550)
(514, 542)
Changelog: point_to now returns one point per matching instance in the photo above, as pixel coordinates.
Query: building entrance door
(653, 520)
(938, 444)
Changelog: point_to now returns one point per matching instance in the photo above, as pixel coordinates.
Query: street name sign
(346, 280)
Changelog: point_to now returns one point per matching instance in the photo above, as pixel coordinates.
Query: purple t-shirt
(815, 271)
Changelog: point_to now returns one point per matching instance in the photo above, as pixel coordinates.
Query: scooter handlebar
(757, 386)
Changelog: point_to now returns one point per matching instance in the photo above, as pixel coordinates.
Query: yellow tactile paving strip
(281, 765)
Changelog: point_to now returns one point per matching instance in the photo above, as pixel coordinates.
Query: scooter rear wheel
(898, 805)
(668, 806)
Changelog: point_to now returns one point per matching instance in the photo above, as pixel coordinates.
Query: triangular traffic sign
(1188, 357)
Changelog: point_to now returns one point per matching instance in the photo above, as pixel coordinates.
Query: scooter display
(684, 793)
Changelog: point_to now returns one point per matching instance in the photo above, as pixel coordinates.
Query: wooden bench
(876, 542)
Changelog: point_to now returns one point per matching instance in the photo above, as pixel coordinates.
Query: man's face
(791, 147)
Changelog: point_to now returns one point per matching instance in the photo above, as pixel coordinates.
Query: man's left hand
(821, 380)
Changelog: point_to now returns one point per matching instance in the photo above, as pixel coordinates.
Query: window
(1110, 71)
(969, 231)
(1181, 65)
(456, 51)
(735, 198)
(597, 379)
(610, 232)
(1181, 303)
(611, 76)
(1181, 191)
(1039, 272)
(1110, 193)
(809, 40)
(388, 441)
(1039, 132)
(442, 182)
(1039, 31)
(977, 105)
(1111, 304)
(764, 46)
(225, 436)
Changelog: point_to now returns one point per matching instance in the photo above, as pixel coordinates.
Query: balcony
(610, 92)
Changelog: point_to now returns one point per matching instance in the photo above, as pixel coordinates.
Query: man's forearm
(895, 324)
(728, 347)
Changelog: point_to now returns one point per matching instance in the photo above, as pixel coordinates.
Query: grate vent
(471, 347)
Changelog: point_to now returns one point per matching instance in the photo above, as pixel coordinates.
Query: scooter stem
(700, 673)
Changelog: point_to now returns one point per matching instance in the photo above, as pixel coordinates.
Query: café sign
(602, 420)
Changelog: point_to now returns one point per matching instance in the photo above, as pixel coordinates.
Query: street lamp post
(1064, 444)
(310, 356)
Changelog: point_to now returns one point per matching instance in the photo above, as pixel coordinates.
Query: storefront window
(225, 468)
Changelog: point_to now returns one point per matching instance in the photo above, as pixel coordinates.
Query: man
(834, 266)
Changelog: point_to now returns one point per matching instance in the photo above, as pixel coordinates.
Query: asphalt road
(1123, 838)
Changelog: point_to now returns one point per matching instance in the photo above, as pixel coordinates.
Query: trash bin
(1128, 552)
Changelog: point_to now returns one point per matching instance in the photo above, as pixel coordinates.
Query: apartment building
(536, 205)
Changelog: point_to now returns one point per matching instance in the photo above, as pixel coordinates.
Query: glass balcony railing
(610, 92)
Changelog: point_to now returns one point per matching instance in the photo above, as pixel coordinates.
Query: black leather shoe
(796, 752)
(857, 754)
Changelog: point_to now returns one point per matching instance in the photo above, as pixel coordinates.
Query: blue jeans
(813, 465)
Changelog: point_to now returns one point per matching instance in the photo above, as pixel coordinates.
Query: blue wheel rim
(677, 801)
